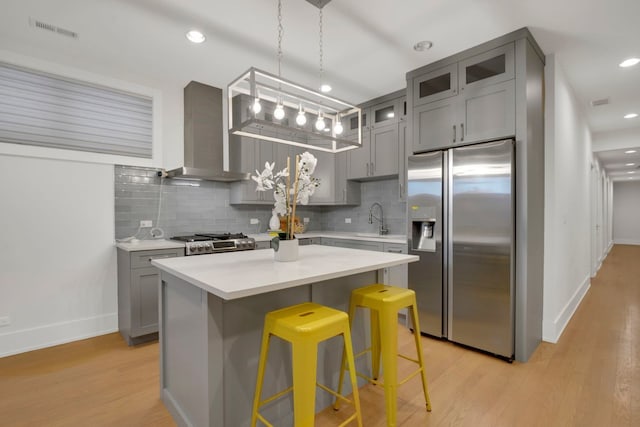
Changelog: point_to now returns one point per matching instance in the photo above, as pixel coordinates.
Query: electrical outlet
(5, 321)
(305, 220)
(254, 221)
(146, 223)
(347, 220)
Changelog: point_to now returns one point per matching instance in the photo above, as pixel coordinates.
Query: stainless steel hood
(203, 142)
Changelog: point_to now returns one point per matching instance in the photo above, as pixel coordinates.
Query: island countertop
(235, 275)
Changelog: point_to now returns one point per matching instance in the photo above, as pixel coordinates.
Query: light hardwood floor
(590, 378)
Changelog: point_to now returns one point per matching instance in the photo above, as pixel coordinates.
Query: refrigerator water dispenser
(423, 235)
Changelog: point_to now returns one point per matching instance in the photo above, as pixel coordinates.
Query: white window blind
(41, 109)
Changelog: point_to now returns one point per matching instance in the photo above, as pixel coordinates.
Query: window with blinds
(45, 110)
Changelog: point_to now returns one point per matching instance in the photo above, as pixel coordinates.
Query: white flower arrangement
(286, 193)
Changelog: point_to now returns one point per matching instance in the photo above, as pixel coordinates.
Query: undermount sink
(381, 236)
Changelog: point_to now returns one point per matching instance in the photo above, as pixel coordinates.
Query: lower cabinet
(395, 276)
(138, 293)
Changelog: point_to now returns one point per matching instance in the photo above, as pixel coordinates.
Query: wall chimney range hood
(203, 142)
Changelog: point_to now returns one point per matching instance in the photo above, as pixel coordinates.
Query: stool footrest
(265, 422)
(410, 376)
(334, 393)
(275, 396)
(410, 359)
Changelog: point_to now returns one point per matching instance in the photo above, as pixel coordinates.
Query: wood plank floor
(590, 378)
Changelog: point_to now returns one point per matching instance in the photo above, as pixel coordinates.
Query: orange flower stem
(287, 193)
(295, 194)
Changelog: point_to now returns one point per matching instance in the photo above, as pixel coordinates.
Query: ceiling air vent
(599, 102)
(52, 28)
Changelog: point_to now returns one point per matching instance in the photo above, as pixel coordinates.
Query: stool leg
(305, 362)
(389, 343)
(375, 343)
(264, 353)
(352, 374)
(352, 313)
(416, 335)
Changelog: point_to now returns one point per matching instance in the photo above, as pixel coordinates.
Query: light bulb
(301, 119)
(338, 128)
(325, 88)
(320, 122)
(278, 114)
(256, 106)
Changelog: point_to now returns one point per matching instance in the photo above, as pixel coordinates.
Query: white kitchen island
(212, 310)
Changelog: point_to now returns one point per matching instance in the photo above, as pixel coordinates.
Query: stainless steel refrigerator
(461, 224)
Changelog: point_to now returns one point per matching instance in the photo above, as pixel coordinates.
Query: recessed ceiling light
(195, 36)
(631, 172)
(629, 151)
(422, 46)
(629, 62)
(630, 164)
(631, 116)
(325, 88)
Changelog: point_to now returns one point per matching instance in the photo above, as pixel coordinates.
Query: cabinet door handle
(401, 190)
(461, 132)
(395, 251)
(367, 168)
(454, 133)
(344, 194)
(373, 168)
(151, 258)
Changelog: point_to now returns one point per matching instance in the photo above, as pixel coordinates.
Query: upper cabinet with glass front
(489, 68)
(467, 100)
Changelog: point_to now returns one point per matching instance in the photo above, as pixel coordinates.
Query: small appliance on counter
(210, 243)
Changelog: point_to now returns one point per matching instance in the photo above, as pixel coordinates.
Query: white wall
(626, 212)
(567, 202)
(57, 258)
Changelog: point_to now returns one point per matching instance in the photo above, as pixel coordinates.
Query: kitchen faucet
(383, 230)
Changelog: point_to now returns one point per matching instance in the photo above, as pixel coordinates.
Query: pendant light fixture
(268, 107)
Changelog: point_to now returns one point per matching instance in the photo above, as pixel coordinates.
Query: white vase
(274, 222)
(286, 250)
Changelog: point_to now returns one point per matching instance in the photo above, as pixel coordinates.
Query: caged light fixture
(268, 107)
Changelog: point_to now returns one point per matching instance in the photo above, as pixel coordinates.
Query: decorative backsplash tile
(182, 207)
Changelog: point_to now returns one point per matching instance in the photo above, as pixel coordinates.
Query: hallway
(590, 378)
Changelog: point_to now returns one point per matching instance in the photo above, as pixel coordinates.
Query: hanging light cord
(320, 24)
(280, 31)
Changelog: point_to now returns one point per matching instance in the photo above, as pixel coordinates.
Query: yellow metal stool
(384, 302)
(305, 326)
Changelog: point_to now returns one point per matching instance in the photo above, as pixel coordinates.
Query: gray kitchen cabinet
(330, 170)
(347, 192)
(263, 244)
(394, 276)
(402, 161)
(378, 156)
(138, 293)
(467, 101)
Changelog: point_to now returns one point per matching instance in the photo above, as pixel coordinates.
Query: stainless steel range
(209, 243)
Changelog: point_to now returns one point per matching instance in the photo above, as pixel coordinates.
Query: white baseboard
(552, 330)
(627, 242)
(609, 247)
(24, 340)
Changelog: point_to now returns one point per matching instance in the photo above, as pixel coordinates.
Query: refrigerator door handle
(448, 252)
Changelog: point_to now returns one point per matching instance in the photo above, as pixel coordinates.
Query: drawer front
(143, 259)
(395, 248)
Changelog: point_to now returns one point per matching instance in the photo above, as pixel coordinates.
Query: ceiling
(367, 43)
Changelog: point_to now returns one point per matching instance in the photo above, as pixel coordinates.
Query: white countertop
(369, 237)
(235, 275)
(149, 245)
